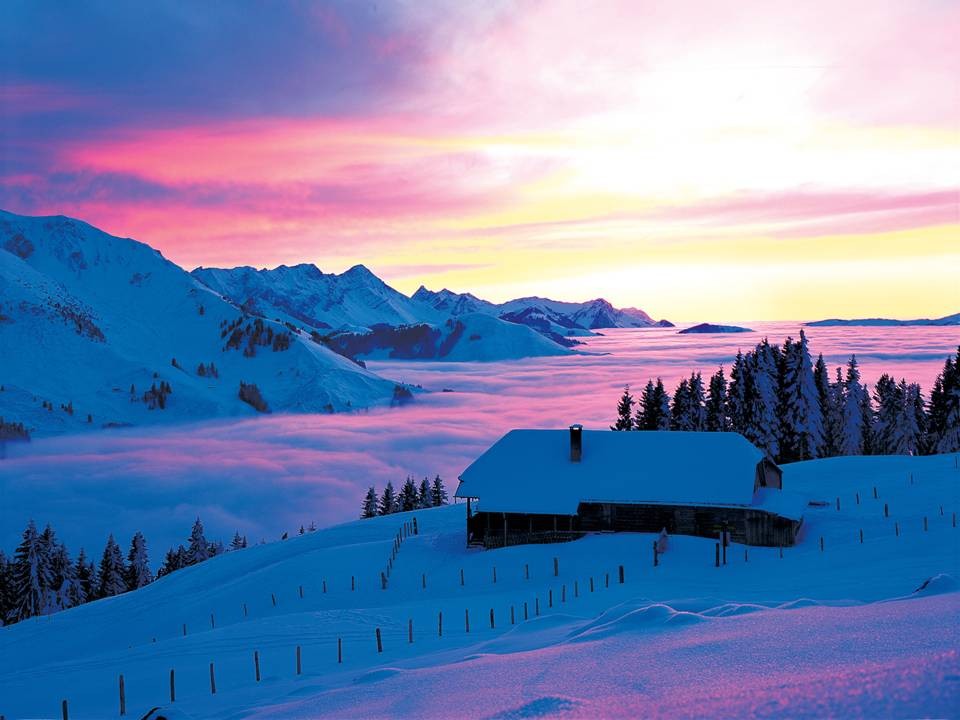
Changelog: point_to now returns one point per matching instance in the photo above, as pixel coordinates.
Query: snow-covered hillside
(89, 323)
(847, 628)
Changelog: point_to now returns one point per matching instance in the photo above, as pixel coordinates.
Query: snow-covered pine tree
(802, 418)
(50, 546)
(6, 588)
(407, 500)
(112, 571)
(912, 418)
(698, 411)
(716, 405)
(737, 394)
(199, 548)
(868, 415)
(833, 417)
(31, 575)
(65, 592)
(852, 432)
(423, 495)
(217, 548)
(138, 563)
(762, 425)
(889, 409)
(680, 413)
(86, 573)
(369, 503)
(438, 493)
(948, 440)
(624, 411)
(237, 541)
(388, 500)
(642, 416)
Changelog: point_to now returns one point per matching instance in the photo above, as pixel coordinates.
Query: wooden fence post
(886, 510)
(550, 598)
(245, 610)
(491, 619)
(526, 612)
(591, 583)
(461, 577)
(896, 528)
(556, 567)
(821, 543)
(410, 631)
(746, 556)
(423, 580)
(64, 710)
(440, 624)
(301, 592)
(256, 664)
(379, 642)
(339, 650)
(576, 589)
(123, 697)
(274, 599)
(213, 624)
(861, 536)
(466, 618)
(416, 530)
(213, 681)
(858, 497)
(299, 661)
(953, 519)
(563, 593)
(536, 607)
(621, 574)
(324, 586)
(606, 579)
(875, 495)
(526, 571)
(512, 620)
(383, 581)
(494, 574)
(924, 523)
(716, 562)
(656, 558)
(184, 629)
(173, 686)
(838, 504)
(353, 583)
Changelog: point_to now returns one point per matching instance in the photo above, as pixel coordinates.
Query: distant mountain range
(104, 331)
(884, 322)
(711, 329)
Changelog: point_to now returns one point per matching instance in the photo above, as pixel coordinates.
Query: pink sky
(511, 149)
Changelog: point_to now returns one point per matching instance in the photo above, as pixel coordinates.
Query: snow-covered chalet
(535, 486)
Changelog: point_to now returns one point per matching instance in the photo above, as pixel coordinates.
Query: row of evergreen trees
(409, 498)
(42, 579)
(789, 407)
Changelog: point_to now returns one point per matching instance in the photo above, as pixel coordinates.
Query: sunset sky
(709, 161)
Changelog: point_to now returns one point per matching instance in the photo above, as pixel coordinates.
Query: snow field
(825, 609)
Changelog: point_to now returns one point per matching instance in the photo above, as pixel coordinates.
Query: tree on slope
(737, 394)
(852, 434)
(424, 500)
(834, 416)
(31, 575)
(802, 416)
(198, 549)
(945, 410)
(624, 411)
(889, 408)
(369, 509)
(238, 542)
(716, 404)
(388, 500)
(407, 499)
(6, 588)
(654, 412)
(438, 492)
(138, 563)
(761, 423)
(680, 414)
(65, 589)
(112, 571)
(86, 574)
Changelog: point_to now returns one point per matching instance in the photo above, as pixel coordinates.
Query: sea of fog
(266, 475)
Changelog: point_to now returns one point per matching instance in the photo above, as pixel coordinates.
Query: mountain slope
(92, 316)
(884, 322)
(304, 295)
(812, 630)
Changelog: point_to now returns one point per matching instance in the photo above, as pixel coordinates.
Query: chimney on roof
(576, 442)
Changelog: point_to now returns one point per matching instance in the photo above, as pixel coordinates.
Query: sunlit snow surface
(270, 474)
(846, 632)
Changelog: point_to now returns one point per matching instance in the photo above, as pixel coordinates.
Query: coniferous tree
(680, 413)
(423, 495)
(736, 394)
(49, 546)
(833, 420)
(948, 438)
(698, 411)
(853, 431)
(438, 493)
(138, 563)
(31, 575)
(65, 591)
(716, 405)
(912, 419)
(407, 500)
(6, 588)
(388, 500)
(112, 572)
(199, 548)
(237, 542)
(369, 504)
(642, 416)
(802, 416)
(624, 411)
(761, 420)
(889, 408)
(86, 573)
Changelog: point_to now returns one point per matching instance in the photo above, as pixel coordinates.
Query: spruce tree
(6, 588)
(112, 572)
(49, 550)
(199, 548)
(86, 573)
(761, 421)
(438, 492)
(369, 504)
(737, 394)
(716, 405)
(834, 417)
(852, 437)
(237, 542)
(698, 411)
(889, 412)
(388, 500)
(680, 412)
(65, 587)
(407, 500)
(802, 418)
(423, 495)
(31, 575)
(642, 419)
(624, 411)
(138, 563)
(948, 440)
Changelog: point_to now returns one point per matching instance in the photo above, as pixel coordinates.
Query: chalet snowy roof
(530, 471)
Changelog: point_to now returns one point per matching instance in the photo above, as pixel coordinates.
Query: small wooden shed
(535, 486)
